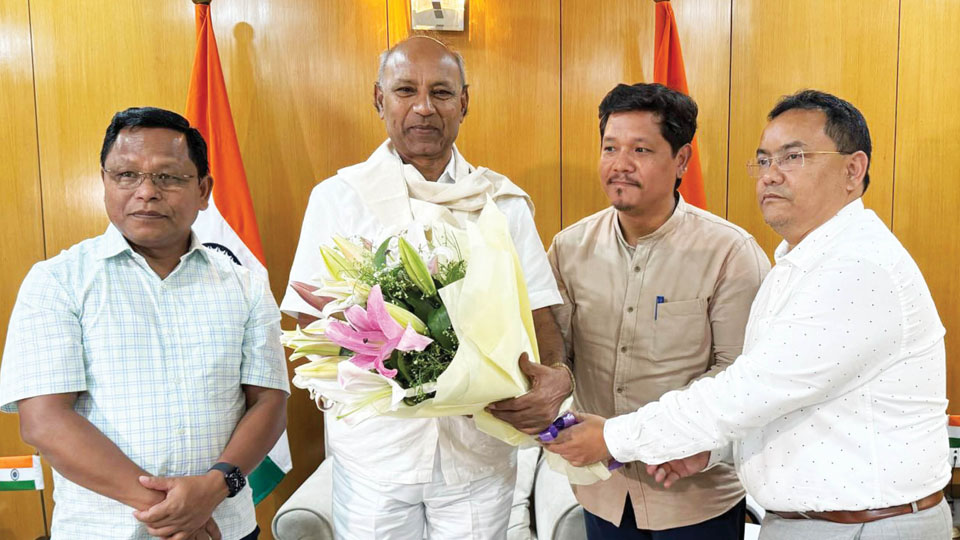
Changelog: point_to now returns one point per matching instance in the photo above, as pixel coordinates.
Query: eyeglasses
(163, 181)
(786, 162)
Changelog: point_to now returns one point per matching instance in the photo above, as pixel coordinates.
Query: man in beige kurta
(656, 294)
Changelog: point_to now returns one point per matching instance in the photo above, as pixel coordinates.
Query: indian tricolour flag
(229, 224)
(20, 473)
(953, 430)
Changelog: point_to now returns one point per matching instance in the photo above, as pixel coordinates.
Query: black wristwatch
(232, 476)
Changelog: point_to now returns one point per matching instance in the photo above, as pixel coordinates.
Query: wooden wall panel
(300, 75)
(927, 194)
(512, 54)
(609, 42)
(92, 59)
(21, 229)
(845, 48)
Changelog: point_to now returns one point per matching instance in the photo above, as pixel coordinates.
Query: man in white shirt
(395, 478)
(835, 411)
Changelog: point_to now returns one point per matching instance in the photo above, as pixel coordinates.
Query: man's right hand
(668, 473)
(188, 507)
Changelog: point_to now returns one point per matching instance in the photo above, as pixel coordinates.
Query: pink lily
(373, 335)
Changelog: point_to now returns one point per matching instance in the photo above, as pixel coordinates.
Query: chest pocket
(680, 329)
(215, 348)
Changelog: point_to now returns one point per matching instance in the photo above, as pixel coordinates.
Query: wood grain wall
(300, 75)
(21, 223)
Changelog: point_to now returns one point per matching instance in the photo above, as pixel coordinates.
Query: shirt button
(630, 309)
(619, 389)
(636, 268)
(623, 349)
(181, 431)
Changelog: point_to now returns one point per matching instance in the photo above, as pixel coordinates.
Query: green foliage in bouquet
(411, 286)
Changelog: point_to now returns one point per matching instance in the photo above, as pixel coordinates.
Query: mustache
(782, 193)
(620, 179)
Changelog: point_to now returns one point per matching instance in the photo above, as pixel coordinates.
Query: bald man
(396, 478)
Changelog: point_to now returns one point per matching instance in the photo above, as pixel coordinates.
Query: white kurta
(402, 450)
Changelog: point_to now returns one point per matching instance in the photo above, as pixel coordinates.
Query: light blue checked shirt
(158, 364)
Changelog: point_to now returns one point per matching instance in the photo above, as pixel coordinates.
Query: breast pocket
(216, 352)
(679, 329)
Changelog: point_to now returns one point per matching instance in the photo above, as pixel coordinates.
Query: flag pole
(43, 512)
(204, 2)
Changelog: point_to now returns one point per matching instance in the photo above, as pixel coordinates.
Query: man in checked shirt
(146, 368)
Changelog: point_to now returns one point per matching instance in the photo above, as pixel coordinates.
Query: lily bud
(336, 264)
(351, 251)
(404, 318)
(416, 269)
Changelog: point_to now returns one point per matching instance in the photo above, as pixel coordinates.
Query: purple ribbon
(566, 420)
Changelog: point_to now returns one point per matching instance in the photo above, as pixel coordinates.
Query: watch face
(233, 478)
(235, 481)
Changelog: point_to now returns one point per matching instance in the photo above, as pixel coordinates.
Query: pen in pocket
(660, 300)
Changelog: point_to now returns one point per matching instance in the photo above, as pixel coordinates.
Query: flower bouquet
(427, 322)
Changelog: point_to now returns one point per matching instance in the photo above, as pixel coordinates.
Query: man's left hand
(189, 504)
(668, 473)
(534, 411)
(582, 444)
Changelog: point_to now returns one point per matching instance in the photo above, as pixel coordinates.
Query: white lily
(310, 342)
(363, 394)
(322, 367)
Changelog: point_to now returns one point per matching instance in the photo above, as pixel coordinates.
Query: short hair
(152, 117)
(385, 56)
(846, 126)
(676, 111)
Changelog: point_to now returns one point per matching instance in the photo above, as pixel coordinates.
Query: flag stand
(43, 512)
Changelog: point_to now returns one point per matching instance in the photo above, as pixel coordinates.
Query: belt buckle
(804, 515)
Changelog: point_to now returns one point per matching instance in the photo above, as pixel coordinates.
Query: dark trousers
(726, 526)
(252, 536)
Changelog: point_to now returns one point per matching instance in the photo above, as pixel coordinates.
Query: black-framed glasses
(163, 181)
(786, 162)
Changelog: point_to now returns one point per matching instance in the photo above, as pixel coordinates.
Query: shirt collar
(448, 176)
(809, 250)
(114, 244)
(672, 222)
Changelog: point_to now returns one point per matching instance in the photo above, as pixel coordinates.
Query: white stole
(397, 200)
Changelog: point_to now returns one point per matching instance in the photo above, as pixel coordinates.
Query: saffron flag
(668, 70)
(229, 224)
(20, 473)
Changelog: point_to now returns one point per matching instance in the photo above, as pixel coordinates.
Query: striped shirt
(158, 365)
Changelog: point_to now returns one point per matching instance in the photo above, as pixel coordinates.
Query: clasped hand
(583, 444)
(186, 511)
(534, 411)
